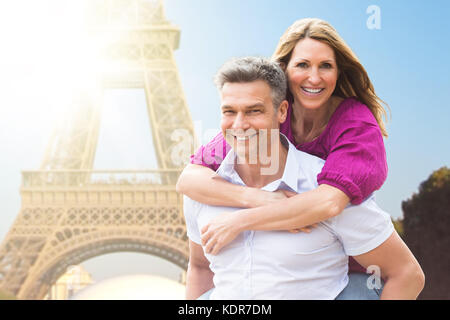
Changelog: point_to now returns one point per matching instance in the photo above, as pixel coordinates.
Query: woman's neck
(308, 124)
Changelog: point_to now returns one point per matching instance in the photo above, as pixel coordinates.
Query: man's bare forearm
(198, 281)
(406, 287)
(403, 276)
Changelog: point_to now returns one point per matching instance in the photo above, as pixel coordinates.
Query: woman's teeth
(309, 90)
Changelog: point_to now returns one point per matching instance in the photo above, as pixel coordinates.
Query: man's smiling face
(247, 108)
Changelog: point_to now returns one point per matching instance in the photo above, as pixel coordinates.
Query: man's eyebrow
(257, 105)
(253, 106)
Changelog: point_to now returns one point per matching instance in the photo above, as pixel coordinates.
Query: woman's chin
(312, 103)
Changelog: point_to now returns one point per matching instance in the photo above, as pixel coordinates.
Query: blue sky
(407, 60)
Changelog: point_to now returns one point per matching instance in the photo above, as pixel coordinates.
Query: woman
(334, 114)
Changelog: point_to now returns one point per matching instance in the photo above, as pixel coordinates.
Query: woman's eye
(302, 65)
(327, 66)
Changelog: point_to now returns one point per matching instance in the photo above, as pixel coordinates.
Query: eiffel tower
(69, 212)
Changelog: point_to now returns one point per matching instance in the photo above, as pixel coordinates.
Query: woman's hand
(307, 229)
(219, 232)
(224, 228)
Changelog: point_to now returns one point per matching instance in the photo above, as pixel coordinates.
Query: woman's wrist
(254, 197)
(251, 198)
(240, 221)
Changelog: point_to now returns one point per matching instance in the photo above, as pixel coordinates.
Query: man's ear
(282, 111)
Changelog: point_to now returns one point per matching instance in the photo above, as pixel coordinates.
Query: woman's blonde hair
(353, 80)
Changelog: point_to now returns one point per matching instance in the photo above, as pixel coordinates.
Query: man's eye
(255, 111)
(228, 112)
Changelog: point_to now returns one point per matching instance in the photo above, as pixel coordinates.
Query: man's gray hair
(251, 69)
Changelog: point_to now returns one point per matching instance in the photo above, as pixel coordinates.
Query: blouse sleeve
(212, 154)
(356, 163)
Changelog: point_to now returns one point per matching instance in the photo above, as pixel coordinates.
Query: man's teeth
(312, 90)
(244, 138)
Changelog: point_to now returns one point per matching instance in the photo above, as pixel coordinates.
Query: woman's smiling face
(312, 73)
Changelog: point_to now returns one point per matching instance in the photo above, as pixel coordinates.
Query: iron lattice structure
(70, 213)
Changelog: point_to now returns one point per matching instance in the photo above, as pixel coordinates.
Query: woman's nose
(314, 76)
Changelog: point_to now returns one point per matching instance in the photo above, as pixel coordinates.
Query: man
(275, 264)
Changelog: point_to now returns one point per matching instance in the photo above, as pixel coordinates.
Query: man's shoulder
(368, 209)
(302, 167)
(310, 165)
(191, 206)
(309, 158)
(196, 207)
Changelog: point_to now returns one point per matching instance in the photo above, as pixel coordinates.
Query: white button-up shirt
(283, 265)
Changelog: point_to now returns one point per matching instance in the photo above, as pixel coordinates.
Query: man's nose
(240, 121)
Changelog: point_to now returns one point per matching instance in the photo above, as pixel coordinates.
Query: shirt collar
(290, 174)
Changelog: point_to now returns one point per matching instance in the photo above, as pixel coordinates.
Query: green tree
(426, 226)
(398, 225)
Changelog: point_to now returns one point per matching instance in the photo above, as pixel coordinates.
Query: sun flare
(48, 58)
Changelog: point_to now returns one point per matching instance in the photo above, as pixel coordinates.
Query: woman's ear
(282, 111)
(282, 66)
